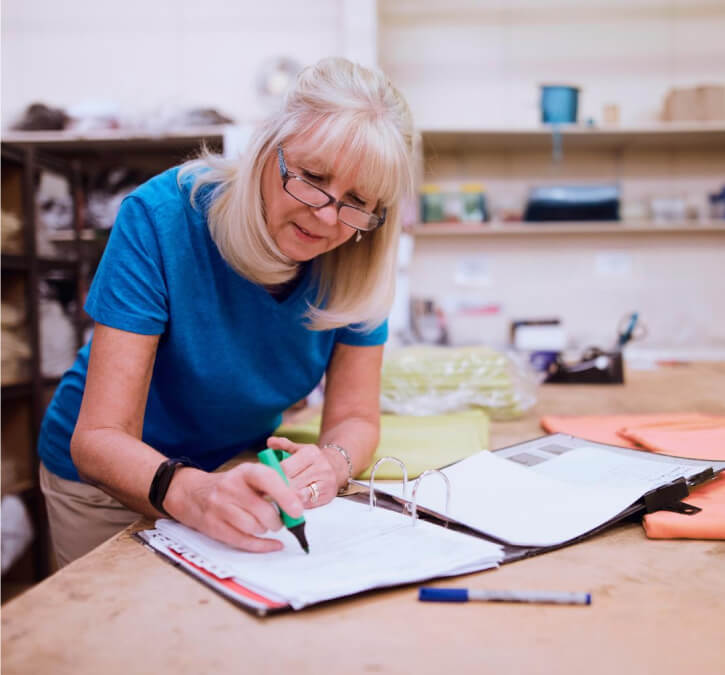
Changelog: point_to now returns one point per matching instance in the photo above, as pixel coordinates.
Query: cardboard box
(705, 103)
(712, 103)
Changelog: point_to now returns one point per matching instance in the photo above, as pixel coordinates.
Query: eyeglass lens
(311, 195)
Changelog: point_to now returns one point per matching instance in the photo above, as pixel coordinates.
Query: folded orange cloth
(698, 439)
(604, 428)
(682, 434)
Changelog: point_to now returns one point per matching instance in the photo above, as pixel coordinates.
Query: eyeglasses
(311, 195)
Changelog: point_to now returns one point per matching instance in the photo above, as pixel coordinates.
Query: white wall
(461, 63)
(472, 63)
(145, 55)
(590, 281)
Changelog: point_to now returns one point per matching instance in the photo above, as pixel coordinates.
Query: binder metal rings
(372, 477)
(410, 506)
(413, 505)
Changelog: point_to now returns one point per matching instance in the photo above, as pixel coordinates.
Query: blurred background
(570, 160)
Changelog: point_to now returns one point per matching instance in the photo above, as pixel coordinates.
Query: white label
(613, 264)
(473, 271)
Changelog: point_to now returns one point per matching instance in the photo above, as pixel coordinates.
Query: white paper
(557, 501)
(352, 549)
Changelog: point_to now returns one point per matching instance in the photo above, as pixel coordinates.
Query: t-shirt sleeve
(129, 288)
(353, 335)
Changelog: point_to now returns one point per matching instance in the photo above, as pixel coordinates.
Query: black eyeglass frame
(288, 175)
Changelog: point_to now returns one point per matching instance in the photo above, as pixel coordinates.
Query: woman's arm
(350, 419)
(108, 451)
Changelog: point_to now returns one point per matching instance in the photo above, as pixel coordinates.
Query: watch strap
(161, 481)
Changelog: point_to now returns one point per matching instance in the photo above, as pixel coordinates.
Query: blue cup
(559, 104)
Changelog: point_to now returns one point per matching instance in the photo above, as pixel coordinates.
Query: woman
(227, 290)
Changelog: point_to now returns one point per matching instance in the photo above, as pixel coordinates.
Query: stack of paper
(352, 549)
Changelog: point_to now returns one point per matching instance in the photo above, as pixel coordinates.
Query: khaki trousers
(80, 516)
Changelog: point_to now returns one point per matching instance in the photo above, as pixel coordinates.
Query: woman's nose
(327, 214)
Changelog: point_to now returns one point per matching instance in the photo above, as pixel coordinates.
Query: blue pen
(626, 335)
(428, 594)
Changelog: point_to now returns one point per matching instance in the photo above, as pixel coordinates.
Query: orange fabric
(699, 440)
(604, 428)
(681, 434)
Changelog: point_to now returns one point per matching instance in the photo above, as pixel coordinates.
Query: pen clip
(373, 500)
(413, 505)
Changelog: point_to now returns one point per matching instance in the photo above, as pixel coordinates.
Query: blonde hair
(357, 116)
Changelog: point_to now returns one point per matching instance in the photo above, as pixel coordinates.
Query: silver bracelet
(345, 454)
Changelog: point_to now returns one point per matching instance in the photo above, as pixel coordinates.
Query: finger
(306, 457)
(228, 534)
(267, 481)
(326, 489)
(282, 443)
(245, 521)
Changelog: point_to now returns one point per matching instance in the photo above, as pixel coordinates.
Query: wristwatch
(162, 479)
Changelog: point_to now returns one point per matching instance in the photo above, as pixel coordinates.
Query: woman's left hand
(308, 466)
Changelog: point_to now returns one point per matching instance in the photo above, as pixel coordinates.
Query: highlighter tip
(299, 532)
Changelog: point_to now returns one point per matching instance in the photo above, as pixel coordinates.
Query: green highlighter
(296, 526)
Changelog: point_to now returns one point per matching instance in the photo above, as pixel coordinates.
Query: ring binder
(412, 507)
(483, 533)
(373, 499)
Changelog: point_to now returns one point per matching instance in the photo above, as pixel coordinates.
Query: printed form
(352, 549)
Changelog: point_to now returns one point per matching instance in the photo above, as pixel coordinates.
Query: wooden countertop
(658, 606)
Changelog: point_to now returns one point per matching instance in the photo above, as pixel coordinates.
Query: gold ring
(314, 492)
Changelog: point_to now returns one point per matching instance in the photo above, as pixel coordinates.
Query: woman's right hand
(233, 506)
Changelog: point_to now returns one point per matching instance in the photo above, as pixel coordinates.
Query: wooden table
(658, 606)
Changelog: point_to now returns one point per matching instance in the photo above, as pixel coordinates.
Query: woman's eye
(311, 176)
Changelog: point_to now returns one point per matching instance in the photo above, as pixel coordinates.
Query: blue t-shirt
(230, 358)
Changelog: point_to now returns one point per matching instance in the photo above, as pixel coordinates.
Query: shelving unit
(23, 402)
(564, 228)
(586, 273)
(76, 157)
(673, 135)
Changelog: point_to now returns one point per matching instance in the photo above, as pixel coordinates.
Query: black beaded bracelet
(161, 481)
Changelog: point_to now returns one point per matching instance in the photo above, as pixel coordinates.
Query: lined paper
(352, 549)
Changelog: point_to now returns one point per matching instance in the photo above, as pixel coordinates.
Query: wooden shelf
(24, 389)
(15, 391)
(19, 487)
(20, 263)
(87, 235)
(662, 136)
(547, 228)
(70, 142)
(15, 262)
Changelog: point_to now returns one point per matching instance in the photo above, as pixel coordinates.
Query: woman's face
(303, 232)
